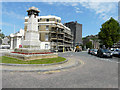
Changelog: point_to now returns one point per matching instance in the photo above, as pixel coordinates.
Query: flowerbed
(33, 53)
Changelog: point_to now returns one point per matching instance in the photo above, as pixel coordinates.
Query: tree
(1, 35)
(89, 44)
(109, 33)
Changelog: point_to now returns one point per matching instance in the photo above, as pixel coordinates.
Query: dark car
(104, 53)
(116, 53)
(119, 54)
(94, 52)
(90, 51)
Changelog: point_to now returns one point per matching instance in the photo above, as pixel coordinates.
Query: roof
(50, 16)
(33, 8)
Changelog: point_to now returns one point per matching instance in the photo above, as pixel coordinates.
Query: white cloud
(79, 11)
(5, 24)
(59, 0)
(74, 4)
(104, 10)
(13, 14)
(50, 3)
(76, 8)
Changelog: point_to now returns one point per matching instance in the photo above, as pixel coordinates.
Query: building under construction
(53, 34)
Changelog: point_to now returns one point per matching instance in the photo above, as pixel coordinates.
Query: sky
(90, 14)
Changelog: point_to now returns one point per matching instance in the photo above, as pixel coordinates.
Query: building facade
(92, 38)
(76, 30)
(116, 45)
(52, 33)
(16, 39)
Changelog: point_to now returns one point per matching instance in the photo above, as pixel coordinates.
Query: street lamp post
(57, 40)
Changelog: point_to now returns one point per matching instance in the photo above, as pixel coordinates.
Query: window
(38, 20)
(46, 46)
(38, 27)
(47, 20)
(26, 20)
(46, 37)
(57, 20)
(47, 27)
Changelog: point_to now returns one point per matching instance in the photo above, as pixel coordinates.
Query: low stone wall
(31, 57)
(30, 50)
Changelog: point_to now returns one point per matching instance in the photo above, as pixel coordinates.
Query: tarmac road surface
(94, 72)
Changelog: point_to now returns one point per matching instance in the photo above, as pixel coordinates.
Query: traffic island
(31, 66)
(46, 61)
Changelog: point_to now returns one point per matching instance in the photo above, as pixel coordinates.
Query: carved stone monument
(32, 34)
(31, 44)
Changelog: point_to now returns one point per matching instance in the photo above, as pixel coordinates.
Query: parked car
(119, 54)
(116, 53)
(90, 51)
(94, 52)
(104, 53)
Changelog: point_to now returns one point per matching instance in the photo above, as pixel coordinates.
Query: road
(94, 72)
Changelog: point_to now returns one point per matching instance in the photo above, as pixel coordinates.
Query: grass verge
(5, 59)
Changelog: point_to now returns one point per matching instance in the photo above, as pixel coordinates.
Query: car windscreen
(117, 50)
(95, 50)
(106, 50)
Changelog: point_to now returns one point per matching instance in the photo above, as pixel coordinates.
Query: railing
(60, 38)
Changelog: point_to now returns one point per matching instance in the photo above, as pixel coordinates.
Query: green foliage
(109, 33)
(82, 46)
(8, 42)
(84, 38)
(89, 44)
(3, 44)
(94, 39)
(1, 35)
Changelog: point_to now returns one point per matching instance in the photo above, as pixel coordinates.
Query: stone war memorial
(31, 45)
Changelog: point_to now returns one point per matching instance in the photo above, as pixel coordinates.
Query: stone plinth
(31, 50)
(32, 56)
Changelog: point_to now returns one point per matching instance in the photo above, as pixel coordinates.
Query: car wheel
(101, 56)
(97, 55)
(110, 56)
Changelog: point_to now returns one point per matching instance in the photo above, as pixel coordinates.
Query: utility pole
(14, 28)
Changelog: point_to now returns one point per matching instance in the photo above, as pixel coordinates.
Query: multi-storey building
(76, 30)
(52, 33)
